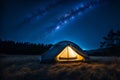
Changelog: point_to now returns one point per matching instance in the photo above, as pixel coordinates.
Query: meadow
(28, 67)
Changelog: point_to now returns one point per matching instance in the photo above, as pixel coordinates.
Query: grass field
(29, 68)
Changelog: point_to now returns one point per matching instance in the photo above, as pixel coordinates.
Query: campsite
(66, 62)
(60, 40)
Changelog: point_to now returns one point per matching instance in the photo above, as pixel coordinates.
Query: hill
(112, 51)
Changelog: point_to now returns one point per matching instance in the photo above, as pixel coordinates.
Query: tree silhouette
(26, 48)
(111, 40)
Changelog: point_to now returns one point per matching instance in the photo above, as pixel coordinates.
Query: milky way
(37, 14)
(84, 22)
(78, 10)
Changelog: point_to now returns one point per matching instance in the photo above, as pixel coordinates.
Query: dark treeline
(110, 46)
(26, 48)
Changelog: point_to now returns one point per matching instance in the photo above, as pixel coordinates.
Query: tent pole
(68, 53)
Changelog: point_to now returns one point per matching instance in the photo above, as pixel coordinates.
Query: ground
(30, 68)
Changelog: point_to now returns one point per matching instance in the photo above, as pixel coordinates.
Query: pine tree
(111, 40)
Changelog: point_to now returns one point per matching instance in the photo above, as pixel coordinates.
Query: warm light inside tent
(68, 54)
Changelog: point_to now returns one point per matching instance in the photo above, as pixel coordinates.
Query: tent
(64, 51)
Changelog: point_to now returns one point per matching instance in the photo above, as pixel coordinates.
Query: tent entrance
(68, 54)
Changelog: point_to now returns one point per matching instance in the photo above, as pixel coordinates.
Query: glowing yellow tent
(64, 51)
(69, 54)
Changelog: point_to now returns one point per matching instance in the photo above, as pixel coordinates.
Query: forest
(19, 48)
(109, 46)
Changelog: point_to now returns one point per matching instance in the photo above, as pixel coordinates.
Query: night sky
(83, 22)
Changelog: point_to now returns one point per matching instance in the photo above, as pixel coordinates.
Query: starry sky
(83, 22)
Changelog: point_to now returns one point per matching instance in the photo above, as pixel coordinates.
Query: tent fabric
(63, 46)
(68, 54)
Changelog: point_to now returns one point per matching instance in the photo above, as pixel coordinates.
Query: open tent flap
(69, 54)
